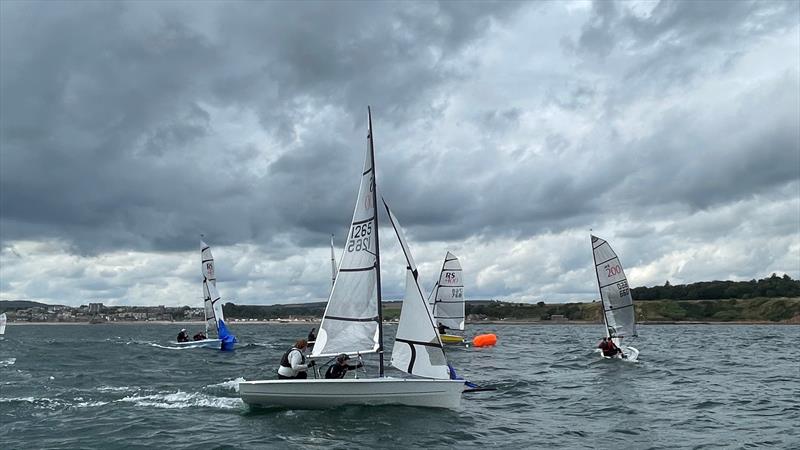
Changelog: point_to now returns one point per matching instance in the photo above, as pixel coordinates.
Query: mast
(592, 238)
(373, 187)
(333, 264)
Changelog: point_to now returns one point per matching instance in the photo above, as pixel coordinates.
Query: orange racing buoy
(484, 340)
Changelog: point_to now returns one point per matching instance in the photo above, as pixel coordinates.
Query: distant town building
(558, 318)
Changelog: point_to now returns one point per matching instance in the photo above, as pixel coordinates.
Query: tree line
(771, 287)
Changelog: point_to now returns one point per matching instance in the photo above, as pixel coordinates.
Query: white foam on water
(7, 362)
(90, 404)
(179, 400)
(231, 385)
(116, 389)
(44, 403)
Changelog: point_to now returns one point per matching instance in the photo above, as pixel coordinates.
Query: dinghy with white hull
(215, 319)
(615, 295)
(353, 324)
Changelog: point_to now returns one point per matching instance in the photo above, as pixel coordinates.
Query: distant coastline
(483, 322)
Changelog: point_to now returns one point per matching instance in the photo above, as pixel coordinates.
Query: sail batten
(615, 295)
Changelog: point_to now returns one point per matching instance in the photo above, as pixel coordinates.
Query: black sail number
(360, 236)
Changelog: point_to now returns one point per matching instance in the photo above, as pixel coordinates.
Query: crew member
(199, 336)
(293, 362)
(340, 367)
(442, 328)
(182, 336)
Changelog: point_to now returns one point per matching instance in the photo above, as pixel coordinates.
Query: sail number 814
(360, 236)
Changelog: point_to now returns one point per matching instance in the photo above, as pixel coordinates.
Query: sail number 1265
(360, 236)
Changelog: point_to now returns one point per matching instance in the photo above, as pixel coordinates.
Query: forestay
(614, 291)
(351, 321)
(448, 295)
(417, 347)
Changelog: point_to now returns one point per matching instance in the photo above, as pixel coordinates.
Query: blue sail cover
(228, 340)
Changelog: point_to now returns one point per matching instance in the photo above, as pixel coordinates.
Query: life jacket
(285, 358)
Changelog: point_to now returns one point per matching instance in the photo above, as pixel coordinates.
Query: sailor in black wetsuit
(442, 328)
(340, 368)
(182, 336)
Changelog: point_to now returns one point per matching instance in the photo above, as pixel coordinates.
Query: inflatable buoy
(484, 340)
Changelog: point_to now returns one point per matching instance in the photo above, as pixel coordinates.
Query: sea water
(123, 386)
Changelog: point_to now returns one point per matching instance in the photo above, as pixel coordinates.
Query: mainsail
(417, 346)
(352, 321)
(215, 320)
(448, 295)
(615, 293)
(3, 323)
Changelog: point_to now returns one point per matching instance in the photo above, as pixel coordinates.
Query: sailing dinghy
(353, 324)
(2, 324)
(615, 295)
(212, 306)
(447, 300)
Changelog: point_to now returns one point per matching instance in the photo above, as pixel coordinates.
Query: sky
(504, 132)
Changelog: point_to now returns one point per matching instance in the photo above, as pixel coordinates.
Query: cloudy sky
(504, 132)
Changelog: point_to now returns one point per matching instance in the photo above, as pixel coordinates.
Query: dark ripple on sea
(698, 386)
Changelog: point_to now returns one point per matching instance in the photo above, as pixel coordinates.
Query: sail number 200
(613, 270)
(359, 237)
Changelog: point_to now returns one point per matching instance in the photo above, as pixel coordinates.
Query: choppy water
(111, 386)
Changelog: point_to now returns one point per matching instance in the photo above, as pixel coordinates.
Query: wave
(7, 362)
(229, 385)
(181, 400)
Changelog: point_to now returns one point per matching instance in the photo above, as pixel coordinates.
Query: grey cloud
(103, 128)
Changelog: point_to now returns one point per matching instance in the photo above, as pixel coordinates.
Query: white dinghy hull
(321, 393)
(205, 343)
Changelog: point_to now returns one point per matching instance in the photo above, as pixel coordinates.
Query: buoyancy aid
(285, 358)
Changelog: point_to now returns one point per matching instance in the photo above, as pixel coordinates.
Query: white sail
(2, 323)
(417, 347)
(211, 298)
(448, 295)
(615, 293)
(352, 323)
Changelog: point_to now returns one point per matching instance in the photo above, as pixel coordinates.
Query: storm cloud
(504, 131)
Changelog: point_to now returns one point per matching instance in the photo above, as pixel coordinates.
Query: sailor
(311, 335)
(199, 336)
(612, 348)
(340, 367)
(442, 328)
(182, 336)
(293, 362)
